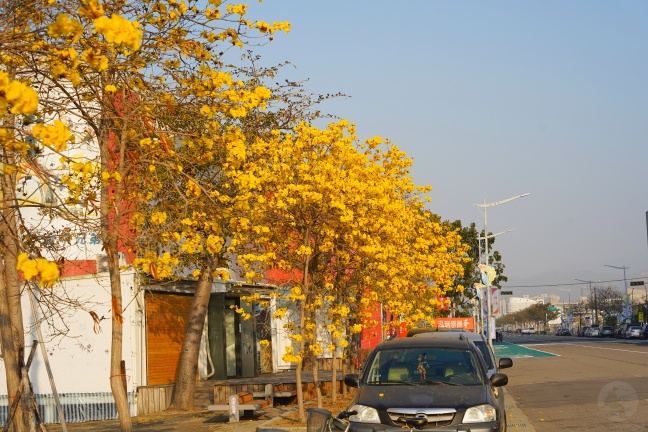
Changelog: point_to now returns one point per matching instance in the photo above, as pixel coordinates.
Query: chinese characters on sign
(89, 239)
(456, 323)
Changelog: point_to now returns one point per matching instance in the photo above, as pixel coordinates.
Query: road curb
(516, 420)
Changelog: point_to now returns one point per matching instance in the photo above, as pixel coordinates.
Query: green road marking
(506, 349)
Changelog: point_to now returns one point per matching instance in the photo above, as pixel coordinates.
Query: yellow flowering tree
(134, 88)
(345, 219)
(202, 205)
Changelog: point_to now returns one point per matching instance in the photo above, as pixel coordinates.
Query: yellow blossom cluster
(47, 271)
(158, 218)
(264, 27)
(158, 266)
(67, 27)
(238, 9)
(290, 356)
(296, 294)
(316, 349)
(56, 136)
(92, 9)
(222, 274)
(118, 30)
(240, 311)
(280, 313)
(16, 96)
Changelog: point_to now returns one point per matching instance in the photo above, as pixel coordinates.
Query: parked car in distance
(644, 331)
(563, 332)
(623, 329)
(582, 331)
(594, 332)
(453, 393)
(633, 332)
(529, 330)
(606, 331)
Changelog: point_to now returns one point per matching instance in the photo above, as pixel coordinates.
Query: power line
(563, 284)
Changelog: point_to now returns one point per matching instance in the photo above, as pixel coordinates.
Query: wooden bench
(243, 401)
(276, 391)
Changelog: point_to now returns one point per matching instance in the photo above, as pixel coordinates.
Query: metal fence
(77, 407)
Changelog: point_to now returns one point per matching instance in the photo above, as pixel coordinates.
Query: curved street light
(485, 206)
(625, 287)
(570, 306)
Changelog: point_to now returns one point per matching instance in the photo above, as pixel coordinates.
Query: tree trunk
(302, 333)
(316, 382)
(13, 333)
(185, 380)
(334, 373)
(344, 372)
(300, 366)
(300, 392)
(116, 375)
(111, 208)
(9, 352)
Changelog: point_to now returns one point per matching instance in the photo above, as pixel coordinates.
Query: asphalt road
(555, 384)
(588, 385)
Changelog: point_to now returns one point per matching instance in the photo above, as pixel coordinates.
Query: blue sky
(496, 99)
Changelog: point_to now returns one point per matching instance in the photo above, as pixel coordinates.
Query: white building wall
(80, 361)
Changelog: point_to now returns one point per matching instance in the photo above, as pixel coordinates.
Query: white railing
(77, 407)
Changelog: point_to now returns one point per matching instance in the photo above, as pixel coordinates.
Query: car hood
(383, 397)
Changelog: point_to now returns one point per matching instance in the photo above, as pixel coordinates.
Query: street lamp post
(625, 286)
(569, 297)
(485, 206)
(479, 240)
(624, 268)
(590, 288)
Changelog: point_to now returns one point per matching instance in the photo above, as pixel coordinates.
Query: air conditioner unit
(122, 258)
(102, 263)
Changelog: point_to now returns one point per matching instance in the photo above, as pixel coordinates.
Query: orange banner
(456, 323)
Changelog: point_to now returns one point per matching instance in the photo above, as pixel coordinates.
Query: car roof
(452, 335)
(413, 342)
(416, 331)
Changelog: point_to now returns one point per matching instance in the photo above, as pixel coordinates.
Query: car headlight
(479, 414)
(364, 414)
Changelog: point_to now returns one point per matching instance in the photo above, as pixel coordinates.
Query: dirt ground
(291, 418)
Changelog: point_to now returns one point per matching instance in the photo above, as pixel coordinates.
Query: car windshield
(424, 366)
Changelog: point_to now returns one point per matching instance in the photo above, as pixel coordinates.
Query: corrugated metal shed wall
(166, 319)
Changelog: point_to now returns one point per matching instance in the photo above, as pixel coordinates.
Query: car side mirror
(505, 362)
(499, 380)
(351, 380)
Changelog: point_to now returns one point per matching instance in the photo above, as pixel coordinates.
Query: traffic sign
(506, 292)
(636, 283)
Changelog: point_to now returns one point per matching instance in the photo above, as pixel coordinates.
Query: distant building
(516, 304)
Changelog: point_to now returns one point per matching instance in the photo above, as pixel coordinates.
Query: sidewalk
(199, 421)
(210, 421)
